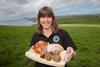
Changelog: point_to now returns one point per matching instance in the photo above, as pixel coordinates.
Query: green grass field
(14, 41)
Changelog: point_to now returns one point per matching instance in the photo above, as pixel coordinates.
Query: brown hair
(47, 11)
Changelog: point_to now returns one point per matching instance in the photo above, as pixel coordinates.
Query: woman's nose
(46, 18)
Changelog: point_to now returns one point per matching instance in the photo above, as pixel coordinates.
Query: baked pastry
(56, 52)
(56, 58)
(39, 47)
(54, 47)
(48, 56)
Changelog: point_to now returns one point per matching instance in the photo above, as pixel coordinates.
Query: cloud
(27, 8)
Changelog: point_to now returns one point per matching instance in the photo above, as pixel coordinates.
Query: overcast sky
(16, 9)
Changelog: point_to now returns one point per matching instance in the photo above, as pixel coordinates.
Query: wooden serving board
(36, 57)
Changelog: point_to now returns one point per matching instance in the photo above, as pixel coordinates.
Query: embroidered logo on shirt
(56, 38)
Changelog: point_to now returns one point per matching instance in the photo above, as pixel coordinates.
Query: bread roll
(39, 47)
(54, 47)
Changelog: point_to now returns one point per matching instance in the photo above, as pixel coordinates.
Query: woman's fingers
(69, 58)
(70, 53)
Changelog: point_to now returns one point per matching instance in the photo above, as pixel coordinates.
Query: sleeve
(34, 39)
(68, 42)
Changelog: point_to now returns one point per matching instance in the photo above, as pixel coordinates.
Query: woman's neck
(47, 32)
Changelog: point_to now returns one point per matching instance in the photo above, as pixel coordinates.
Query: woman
(48, 31)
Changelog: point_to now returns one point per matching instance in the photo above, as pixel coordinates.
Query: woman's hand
(70, 53)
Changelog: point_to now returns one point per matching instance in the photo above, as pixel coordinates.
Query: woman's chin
(47, 27)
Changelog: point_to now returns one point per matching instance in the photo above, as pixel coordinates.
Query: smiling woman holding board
(49, 33)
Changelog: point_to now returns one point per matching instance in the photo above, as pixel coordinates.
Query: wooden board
(36, 57)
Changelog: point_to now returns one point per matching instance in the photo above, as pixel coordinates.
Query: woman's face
(46, 22)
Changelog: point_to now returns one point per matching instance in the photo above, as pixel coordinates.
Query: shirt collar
(53, 33)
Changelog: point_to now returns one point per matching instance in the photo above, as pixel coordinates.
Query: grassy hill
(15, 40)
(79, 19)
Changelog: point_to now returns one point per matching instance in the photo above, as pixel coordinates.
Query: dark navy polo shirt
(60, 37)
